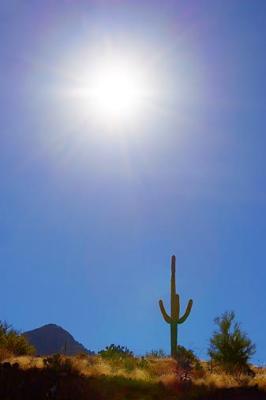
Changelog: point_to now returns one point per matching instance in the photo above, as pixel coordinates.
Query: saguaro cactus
(175, 318)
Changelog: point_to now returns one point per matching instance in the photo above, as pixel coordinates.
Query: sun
(117, 89)
(111, 88)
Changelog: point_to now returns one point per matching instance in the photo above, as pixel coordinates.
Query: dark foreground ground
(43, 384)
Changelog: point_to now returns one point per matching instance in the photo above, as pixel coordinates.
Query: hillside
(94, 377)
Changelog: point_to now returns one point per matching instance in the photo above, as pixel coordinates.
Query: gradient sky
(89, 219)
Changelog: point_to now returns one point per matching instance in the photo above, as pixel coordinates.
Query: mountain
(51, 339)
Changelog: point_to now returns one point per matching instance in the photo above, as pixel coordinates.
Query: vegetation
(175, 318)
(59, 364)
(230, 348)
(121, 358)
(116, 373)
(115, 351)
(156, 354)
(188, 361)
(93, 377)
(13, 343)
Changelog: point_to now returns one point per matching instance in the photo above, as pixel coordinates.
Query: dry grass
(218, 380)
(26, 362)
(97, 366)
(260, 378)
(154, 370)
(151, 370)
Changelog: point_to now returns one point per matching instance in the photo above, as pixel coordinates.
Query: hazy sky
(89, 216)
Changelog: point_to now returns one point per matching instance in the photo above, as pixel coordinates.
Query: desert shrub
(4, 354)
(230, 348)
(129, 364)
(59, 364)
(143, 363)
(13, 342)
(85, 360)
(188, 363)
(198, 370)
(185, 357)
(119, 357)
(156, 354)
(115, 352)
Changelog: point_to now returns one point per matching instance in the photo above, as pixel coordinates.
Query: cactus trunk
(175, 318)
(173, 328)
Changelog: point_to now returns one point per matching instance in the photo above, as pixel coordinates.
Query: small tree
(13, 343)
(230, 348)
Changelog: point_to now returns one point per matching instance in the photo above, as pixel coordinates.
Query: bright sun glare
(117, 90)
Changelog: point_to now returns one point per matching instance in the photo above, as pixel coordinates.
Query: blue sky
(90, 219)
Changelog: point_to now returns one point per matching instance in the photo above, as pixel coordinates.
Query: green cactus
(175, 318)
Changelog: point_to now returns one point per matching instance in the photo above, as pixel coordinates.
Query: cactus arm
(189, 306)
(164, 313)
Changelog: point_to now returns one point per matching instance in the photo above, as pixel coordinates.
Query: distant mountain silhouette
(51, 339)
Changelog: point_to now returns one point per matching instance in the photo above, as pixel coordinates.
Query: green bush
(230, 348)
(13, 342)
(119, 357)
(115, 352)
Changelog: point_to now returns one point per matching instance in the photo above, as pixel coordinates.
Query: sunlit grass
(152, 370)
